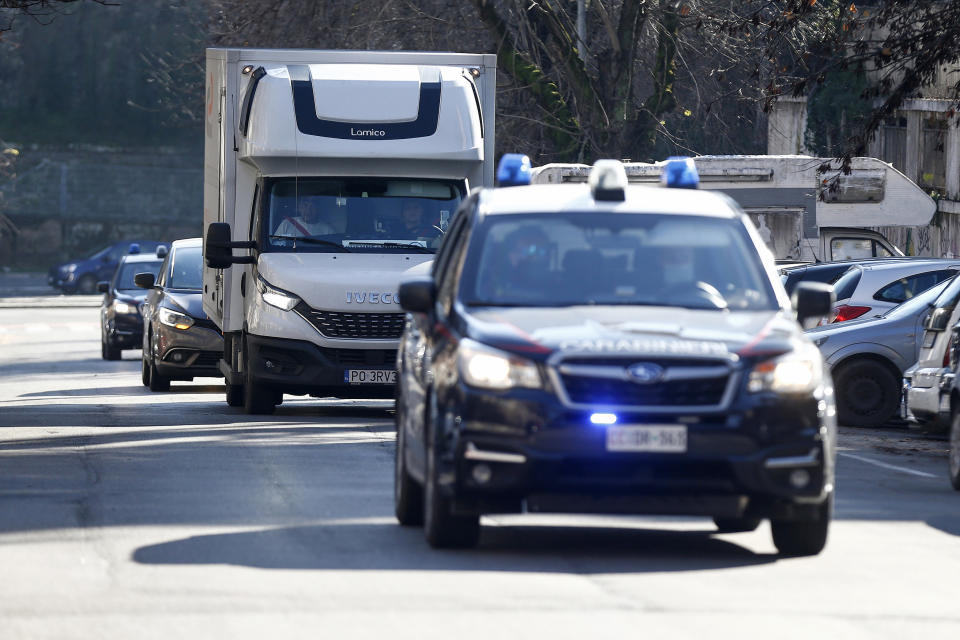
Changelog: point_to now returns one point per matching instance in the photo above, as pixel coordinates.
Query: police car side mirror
(813, 300)
(419, 295)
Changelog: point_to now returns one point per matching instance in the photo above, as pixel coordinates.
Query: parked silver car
(927, 383)
(867, 358)
(870, 290)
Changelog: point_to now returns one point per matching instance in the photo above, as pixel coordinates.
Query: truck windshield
(595, 258)
(372, 215)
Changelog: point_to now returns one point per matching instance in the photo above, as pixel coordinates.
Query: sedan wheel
(867, 393)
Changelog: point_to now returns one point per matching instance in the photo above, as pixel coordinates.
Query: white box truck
(330, 176)
(804, 210)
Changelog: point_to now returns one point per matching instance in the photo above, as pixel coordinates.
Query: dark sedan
(82, 274)
(121, 326)
(179, 341)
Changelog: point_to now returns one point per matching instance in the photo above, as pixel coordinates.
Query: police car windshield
(365, 215)
(597, 258)
(127, 270)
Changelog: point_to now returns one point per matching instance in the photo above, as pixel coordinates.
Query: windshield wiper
(297, 239)
(404, 245)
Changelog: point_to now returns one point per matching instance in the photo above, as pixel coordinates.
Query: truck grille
(373, 357)
(357, 326)
(694, 390)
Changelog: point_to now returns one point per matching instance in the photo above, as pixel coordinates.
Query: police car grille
(675, 393)
(335, 324)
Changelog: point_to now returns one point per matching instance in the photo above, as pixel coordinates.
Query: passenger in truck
(413, 224)
(309, 222)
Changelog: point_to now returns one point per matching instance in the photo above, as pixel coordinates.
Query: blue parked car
(82, 276)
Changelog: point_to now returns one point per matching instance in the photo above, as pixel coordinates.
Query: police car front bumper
(768, 459)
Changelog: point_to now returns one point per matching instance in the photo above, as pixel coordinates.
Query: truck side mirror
(813, 300)
(103, 286)
(144, 280)
(418, 295)
(216, 246)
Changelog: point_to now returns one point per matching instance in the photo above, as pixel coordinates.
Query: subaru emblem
(645, 372)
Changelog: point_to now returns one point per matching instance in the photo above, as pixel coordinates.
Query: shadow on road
(384, 546)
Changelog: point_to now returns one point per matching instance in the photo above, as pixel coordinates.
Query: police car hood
(343, 281)
(539, 333)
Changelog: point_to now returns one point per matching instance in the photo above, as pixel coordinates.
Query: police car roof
(577, 197)
(140, 257)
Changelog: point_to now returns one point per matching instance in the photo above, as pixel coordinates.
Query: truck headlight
(175, 319)
(799, 371)
(276, 297)
(488, 368)
(124, 307)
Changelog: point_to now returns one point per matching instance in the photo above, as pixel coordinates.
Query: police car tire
(736, 525)
(954, 457)
(870, 380)
(803, 537)
(109, 352)
(407, 493)
(442, 528)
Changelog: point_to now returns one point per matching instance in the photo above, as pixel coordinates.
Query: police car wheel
(803, 537)
(736, 525)
(954, 457)
(108, 351)
(407, 493)
(867, 394)
(443, 529)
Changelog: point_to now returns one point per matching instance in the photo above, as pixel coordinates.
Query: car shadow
(386, 546)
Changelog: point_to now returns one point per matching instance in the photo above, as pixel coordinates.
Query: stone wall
(65, 203)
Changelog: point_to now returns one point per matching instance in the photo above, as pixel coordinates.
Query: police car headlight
(800, 371)
(488, 368)
(174, 319)
(276, 297)
(124, 307)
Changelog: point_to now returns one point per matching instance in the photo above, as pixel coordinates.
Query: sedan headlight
(124, 307)
(70, 268)
(175, 319)
(799, 371)
(276, 297)
(487, 368)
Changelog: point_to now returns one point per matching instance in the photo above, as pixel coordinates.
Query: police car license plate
(664, 438)
(370, 376)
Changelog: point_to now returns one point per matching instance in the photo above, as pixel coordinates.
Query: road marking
(913, 472)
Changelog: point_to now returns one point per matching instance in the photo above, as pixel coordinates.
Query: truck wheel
(954, 458)
(234, 395)
(443, 529)
(803, 537)
(158, 382)
(257, 400)
(736, 525)
(407, 494)
(867, 394)
(87, 284)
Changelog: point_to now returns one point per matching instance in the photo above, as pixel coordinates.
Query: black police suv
(612, 349)
(179, 341)
(121, 325)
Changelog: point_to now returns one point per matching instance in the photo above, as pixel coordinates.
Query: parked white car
(927, 384)
(870, 290)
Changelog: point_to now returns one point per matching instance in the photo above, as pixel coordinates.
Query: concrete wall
(68, 202)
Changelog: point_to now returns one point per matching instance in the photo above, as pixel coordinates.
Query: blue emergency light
(134, 249)
(513, 170)
(680, 172)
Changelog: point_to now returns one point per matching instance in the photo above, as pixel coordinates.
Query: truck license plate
(664, 438)
(370, 376)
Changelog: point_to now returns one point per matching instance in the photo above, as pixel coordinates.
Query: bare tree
(43, 11)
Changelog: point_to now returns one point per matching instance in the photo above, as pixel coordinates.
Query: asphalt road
(127, 514)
